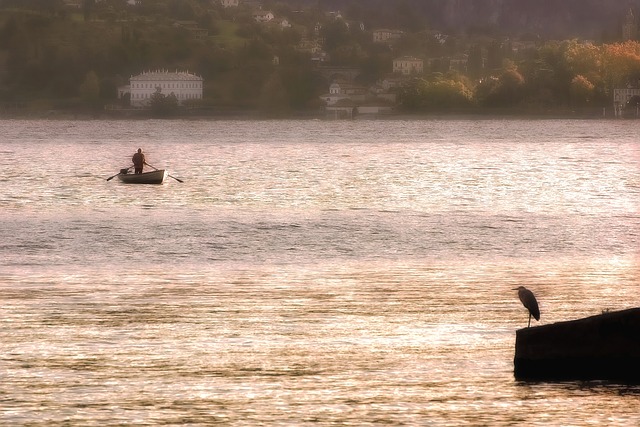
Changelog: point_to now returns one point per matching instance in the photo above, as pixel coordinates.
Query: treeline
(56, 57)
(556, 77)
(549, 19)
(53, 57)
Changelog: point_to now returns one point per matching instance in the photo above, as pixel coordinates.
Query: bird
(529, 301)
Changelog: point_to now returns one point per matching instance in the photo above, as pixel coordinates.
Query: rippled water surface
(308, 272)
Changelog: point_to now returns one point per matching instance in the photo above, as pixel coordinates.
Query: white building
(263, 16)
(408, 65)
(347, 101)
(383, 35)
(72, 4)
(621, 97)
(343, 91)
(185, 86)
(229, 3)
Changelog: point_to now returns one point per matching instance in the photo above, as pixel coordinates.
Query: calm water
(308, 272)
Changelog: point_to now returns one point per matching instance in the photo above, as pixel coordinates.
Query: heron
(529, 301)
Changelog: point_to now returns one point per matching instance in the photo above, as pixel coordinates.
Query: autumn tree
(582, 91)
(507, 90)
(621, 64)
(438, 92)
(584, 59)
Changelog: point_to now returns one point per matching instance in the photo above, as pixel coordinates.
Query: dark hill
(547, 18)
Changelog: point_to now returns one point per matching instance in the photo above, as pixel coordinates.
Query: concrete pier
(602, 347)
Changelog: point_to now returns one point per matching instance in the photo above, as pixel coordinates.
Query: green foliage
(274, 99)
(507, 90)
(336, 34)
(163, 105)
(438, 93)
(90, 89)
(52, 55)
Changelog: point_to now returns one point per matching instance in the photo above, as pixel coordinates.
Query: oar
(177, 179)
(111, 177)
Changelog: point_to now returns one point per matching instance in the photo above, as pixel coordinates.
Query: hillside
(465, 54)
(544, 18)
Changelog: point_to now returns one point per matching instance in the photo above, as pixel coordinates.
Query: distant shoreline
(254, 115)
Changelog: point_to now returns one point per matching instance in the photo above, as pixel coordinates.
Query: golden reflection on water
(348, 344)
(313, 273)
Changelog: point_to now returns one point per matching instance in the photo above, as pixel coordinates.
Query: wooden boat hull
(154, 177)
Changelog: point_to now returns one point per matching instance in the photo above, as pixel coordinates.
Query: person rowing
(139, 161)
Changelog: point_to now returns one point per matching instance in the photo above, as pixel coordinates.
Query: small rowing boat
(154, 177)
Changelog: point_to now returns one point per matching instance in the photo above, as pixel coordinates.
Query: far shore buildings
(384, 35)
(622, 97)
(78, 4)
(263, 16)
(346, 100)
(184, 85)
(629, 96)
(408, 65)
(229, 3)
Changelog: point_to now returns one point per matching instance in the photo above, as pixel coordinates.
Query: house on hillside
(624, 98)
(392, 83)
(184, 85)
(284, 23)
(408, 65)
(229, 3)
(312, 46)
(459, 63)
(383, 35)
(263, 16)
(346, 100)
(320, 58)
(72, 4)
(341, 90)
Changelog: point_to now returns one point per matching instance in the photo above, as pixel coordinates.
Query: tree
(274, 100)
(336, 34)
(581, 91)
(87, 8)
(411, 95)
(163, 105)
(621, 64)
(632, 108)
(448, 94)
(475, 62)
(504, 91)
(584, 59)
(440, 92)
(90, 90)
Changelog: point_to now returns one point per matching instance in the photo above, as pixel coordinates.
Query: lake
(308, 272)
